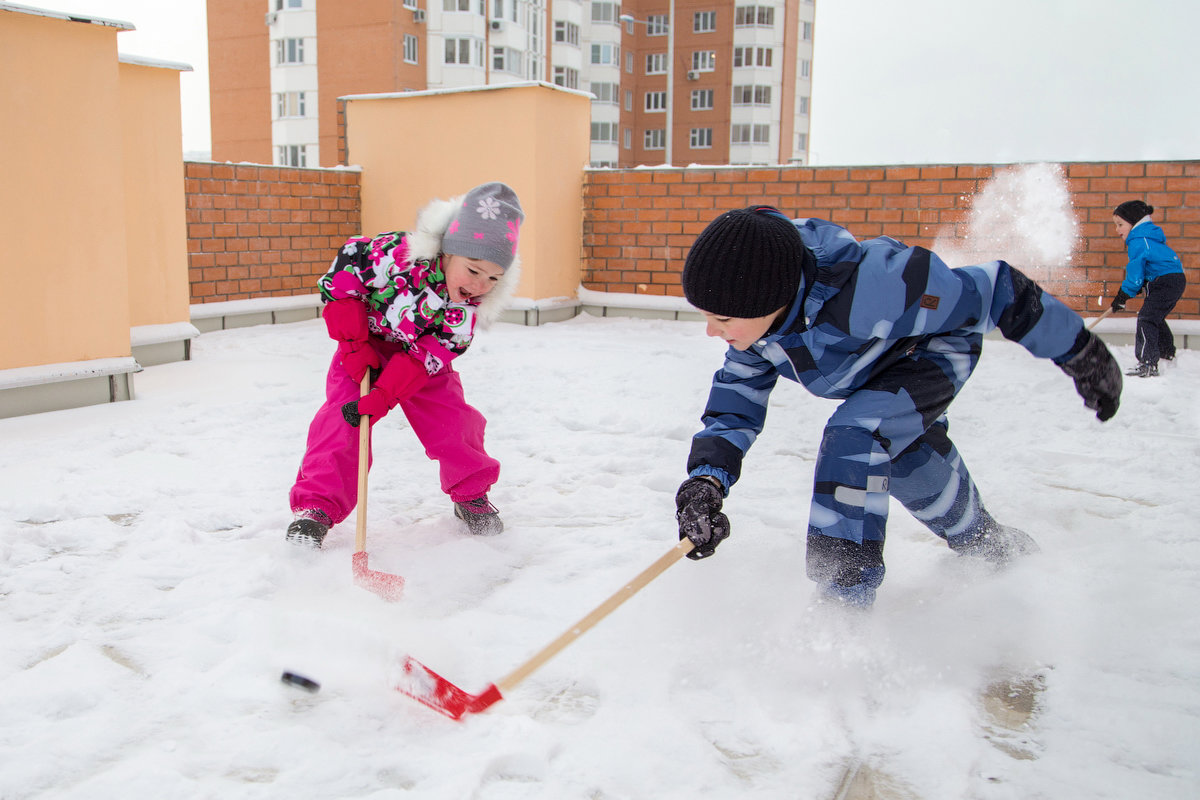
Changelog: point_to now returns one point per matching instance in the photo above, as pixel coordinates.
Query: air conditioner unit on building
(497, 25)
(693, 75)
(418, 15)
(270, 18)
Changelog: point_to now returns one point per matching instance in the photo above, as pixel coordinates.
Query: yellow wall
(416, 147)
(155, 215)
(62, 208)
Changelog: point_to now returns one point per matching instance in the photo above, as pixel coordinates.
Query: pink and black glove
(346, 321)
(401, 379)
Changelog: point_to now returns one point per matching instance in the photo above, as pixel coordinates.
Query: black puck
(307, 684)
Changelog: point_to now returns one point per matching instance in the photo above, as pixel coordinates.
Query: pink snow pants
(450, 430)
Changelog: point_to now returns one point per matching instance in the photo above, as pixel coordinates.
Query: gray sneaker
(482, 518)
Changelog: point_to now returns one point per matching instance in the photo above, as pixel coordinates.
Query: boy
(892, 332)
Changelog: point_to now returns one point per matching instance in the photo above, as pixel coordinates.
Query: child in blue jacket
(893, 333)
(1154, 265)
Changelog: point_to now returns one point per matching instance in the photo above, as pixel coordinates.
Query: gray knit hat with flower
(486, 225)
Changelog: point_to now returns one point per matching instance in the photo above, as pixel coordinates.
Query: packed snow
(150, 602)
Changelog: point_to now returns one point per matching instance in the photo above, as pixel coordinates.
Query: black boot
(1144, 370)
(481, 517)
(308, 529)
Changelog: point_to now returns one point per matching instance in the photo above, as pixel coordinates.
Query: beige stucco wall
(62, 208)
(155, 213)
(535, 137)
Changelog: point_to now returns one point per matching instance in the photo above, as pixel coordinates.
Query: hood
(425, 243)
(1146, 230)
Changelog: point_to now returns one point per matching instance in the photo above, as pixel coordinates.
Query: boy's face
(469, 278)
(1123, 227)
(740, 333)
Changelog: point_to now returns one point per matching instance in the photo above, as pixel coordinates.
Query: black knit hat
(746, 264)
(1132, 211)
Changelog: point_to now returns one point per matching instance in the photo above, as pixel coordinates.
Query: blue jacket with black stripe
(861, 307)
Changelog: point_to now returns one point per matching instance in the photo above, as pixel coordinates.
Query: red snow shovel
(389, 587)
(419, 682)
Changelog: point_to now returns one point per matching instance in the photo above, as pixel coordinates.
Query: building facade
(675, 81)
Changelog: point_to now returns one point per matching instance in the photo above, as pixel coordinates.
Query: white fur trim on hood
(425, 242)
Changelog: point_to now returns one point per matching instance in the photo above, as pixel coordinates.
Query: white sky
(915, 82)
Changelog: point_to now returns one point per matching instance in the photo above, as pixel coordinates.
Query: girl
(1156, 266)
(406, 304)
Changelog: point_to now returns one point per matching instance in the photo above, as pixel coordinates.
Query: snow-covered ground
(149, 603)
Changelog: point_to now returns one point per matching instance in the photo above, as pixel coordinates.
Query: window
(700, 138)
(702, 99)
(629, 62)
(805, 68)
(410, 48)
(565, 76)
(802, 141)
(655, 139)
(628, 100)
(291, 155)
(752, 56)
(458, 51)
(606, 12)
(704, 60)
(289, 104)
(410, 4)
(289, 51)
(280, 5)
(605, 92)
(803, 104)
(806, 35)
(456, 5)
(656, 63)
(606, 53)
(656, 101)
(506, 59)
(656, 25)
(752, 96)
(750, 134)
(627, 138)
(704, 22)
(566, 32)
(760, 16)
(604, 132)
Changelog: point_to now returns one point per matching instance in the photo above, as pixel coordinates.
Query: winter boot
(997, 544)
(1144, 369)
(482, 518)
(309, 528)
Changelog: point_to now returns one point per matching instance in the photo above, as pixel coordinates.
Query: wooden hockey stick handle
(364, 454)
(603, 610)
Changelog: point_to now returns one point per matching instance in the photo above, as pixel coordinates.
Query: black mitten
(1118, 303)
(1097, 377)
(698, 512)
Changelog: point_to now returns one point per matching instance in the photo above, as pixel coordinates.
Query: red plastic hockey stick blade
(426, 686)
(389, 587)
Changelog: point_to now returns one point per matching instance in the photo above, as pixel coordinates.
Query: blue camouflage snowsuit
(894, 333)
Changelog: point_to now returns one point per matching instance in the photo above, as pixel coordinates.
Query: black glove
(698, 512)
(1118, 303)
(1097, 377)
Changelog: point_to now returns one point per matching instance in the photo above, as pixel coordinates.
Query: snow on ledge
(43, 12)
(254, 305)
(143, 61)
(66, 371)
(653, 302)
(144, 335)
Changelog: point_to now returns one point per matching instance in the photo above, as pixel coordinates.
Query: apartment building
(675, 81)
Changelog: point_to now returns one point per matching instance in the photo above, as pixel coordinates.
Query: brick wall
(639, 224)
(262, 231)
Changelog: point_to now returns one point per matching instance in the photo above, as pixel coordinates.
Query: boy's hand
(1118, 303)
(1097, 378)
(698, 512)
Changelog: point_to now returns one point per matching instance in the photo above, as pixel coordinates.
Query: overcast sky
(918, 81)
